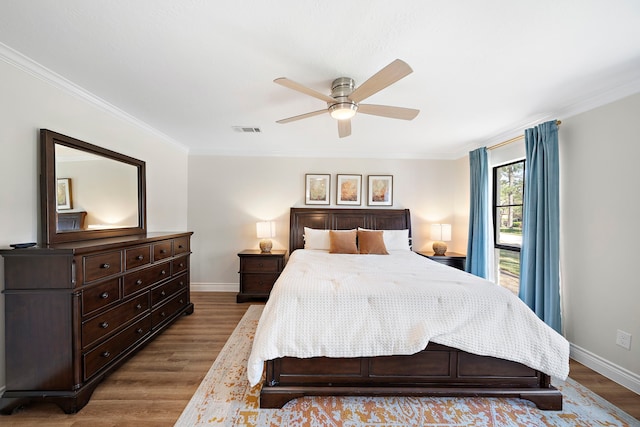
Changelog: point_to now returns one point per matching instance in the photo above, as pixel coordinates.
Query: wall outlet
(623, 339)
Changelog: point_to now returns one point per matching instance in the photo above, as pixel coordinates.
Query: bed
(439, 369)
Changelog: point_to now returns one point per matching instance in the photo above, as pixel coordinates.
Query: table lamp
(265, 230)
(440, 233)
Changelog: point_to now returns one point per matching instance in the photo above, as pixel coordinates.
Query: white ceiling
(193, 69)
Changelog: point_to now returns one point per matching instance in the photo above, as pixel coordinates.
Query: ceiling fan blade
(301, 116)
(383, 78)
(388, 111)
(344, 128)
(301, 88)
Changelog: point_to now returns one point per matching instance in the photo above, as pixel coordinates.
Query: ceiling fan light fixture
(345, 99)
(343, 110)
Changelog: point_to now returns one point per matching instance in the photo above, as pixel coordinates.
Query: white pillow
(395, 240)
(318, 239)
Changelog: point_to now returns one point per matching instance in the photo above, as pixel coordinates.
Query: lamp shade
(266, 229)
(441, 232)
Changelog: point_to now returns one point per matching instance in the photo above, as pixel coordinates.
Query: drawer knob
(162, 273)
(181, 264)
(139, 282)
(181, 283)
(163, 251)
(104, 295)
(140, 257)
(106, 354)
(163, 314)
(138, 306)
(260, 265)
(181, 301)
(139, 330)
(180, 246)
(105, 266)
(104, 325)
(163, 293)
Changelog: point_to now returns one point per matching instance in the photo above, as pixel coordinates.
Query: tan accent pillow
(371, 242)
(342, 242)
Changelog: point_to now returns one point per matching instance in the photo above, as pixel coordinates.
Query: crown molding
(320, 154)
(593, 101)
(31, 67)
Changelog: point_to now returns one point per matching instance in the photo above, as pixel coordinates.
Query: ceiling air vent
(246, 129)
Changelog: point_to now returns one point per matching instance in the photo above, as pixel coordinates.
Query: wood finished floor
(154, 386)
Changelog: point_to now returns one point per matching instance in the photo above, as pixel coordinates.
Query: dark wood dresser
(75, 311)
(258, 272)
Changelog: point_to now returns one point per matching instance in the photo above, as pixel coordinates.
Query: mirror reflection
(94, 192)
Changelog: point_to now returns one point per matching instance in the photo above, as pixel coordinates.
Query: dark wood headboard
(344, 219)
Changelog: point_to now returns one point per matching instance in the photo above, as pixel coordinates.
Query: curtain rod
(514, 139)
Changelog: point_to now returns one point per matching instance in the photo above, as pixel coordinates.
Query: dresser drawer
(99, 296)
(110, 320)
(141, 279)
(167, 290)
(137, 257)
(101, 265)
(180, 245)
(167, 311)
(162, 250)
(258, 283)
(109, 350)
(260, 264)
(179, 265)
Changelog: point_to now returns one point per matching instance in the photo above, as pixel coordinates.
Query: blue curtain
(479, 243)
(540, 256)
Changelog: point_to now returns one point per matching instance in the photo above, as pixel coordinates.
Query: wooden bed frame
(436, 371)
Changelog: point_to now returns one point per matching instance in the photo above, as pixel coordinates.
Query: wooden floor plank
(153, 387)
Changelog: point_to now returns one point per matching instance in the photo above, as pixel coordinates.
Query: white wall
(600, 207)
(27, 104)
(227, 195)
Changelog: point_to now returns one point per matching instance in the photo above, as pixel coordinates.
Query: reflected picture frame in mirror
(63, 193)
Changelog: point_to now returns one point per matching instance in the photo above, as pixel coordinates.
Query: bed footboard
(435, 371)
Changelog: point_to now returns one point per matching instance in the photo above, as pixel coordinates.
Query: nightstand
(258, 272)
(451, 259)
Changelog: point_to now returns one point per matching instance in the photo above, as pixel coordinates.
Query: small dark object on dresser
(22, 245)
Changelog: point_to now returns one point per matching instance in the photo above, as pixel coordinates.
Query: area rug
(224, 398)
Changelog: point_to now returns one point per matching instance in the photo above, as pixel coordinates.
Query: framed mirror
(88, 192)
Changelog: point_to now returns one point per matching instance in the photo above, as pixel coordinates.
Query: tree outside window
(508, 196)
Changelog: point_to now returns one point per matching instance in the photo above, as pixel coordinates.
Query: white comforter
(372, 305)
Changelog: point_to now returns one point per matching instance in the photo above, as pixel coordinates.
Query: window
(508, 198)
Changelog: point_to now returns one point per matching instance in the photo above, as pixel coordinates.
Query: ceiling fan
(345, 98)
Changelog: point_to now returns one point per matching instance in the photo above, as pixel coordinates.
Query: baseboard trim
(616, 373)
(215, 287)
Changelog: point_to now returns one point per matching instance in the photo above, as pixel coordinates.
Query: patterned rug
(224, 398)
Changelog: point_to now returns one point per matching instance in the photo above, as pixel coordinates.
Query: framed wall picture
(380, 190)
(63, 193)
(317, 189)
(348, 189)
